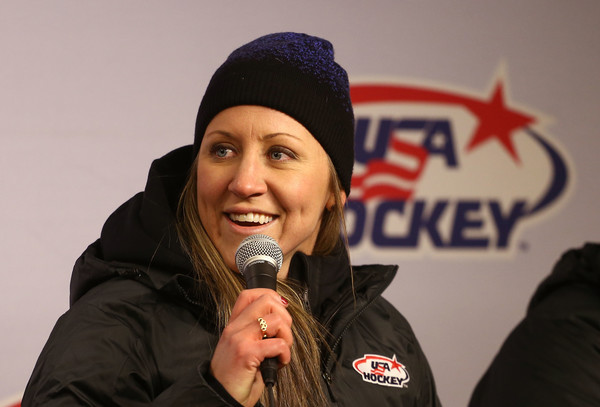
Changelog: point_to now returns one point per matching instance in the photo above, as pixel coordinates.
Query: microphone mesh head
(258, 245)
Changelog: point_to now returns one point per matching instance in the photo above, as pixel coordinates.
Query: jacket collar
(332, 284)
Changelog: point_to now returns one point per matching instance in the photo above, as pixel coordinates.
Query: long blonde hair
(298, 384)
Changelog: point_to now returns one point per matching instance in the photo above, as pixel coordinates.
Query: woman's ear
(331, 200)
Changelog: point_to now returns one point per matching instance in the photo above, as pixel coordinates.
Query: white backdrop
(91, 92)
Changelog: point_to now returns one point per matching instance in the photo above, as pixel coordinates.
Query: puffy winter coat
(552, 357)
(139, 332)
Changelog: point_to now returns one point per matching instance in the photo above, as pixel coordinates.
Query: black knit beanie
(295, 74)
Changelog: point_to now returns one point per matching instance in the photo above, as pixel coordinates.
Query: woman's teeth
(250, 217)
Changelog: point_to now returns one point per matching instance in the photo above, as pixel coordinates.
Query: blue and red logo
(440, 171)
(382, 370)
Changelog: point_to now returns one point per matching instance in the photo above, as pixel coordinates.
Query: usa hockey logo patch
(382, 370)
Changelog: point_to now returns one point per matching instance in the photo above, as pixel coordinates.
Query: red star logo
(395, 364)
(497, 121)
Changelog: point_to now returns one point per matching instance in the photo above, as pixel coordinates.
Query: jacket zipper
(326, 368)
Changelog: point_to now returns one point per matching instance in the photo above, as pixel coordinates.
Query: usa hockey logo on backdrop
(445, 171)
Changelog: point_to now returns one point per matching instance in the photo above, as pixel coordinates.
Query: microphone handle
(268, 370)
(262, 274)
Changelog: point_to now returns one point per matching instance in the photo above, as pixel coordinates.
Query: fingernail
(284, 301)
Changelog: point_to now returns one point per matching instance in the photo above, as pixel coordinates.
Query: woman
(159, 314)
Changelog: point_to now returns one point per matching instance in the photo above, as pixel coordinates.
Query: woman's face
(261, 171)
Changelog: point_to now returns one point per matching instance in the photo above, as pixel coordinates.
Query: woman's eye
(221, 151)
(281, 154)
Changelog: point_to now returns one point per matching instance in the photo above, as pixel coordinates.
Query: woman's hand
(241, 348)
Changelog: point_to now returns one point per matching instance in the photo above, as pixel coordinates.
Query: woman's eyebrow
(273, 135)
(220, 133)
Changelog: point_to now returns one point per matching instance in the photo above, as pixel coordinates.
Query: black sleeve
(94, 359)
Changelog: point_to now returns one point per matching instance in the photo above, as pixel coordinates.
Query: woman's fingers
(257, 313)
(259, 328)
(268, 298)
(261, 312)
(273, 325)
(276, 348)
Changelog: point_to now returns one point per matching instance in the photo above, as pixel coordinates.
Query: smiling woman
(258, 161)
(260, 171)
(160, 314)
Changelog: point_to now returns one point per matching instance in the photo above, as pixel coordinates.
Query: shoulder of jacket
(131, 304)
(391, 317)
(373, 279)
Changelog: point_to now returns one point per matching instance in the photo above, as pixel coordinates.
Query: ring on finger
(263, 327)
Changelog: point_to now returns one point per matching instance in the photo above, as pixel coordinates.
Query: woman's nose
(249, 178)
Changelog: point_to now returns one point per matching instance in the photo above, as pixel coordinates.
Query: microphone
(259, 259)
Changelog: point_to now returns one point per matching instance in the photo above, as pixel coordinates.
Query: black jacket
(138, 331)
(552, 358)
